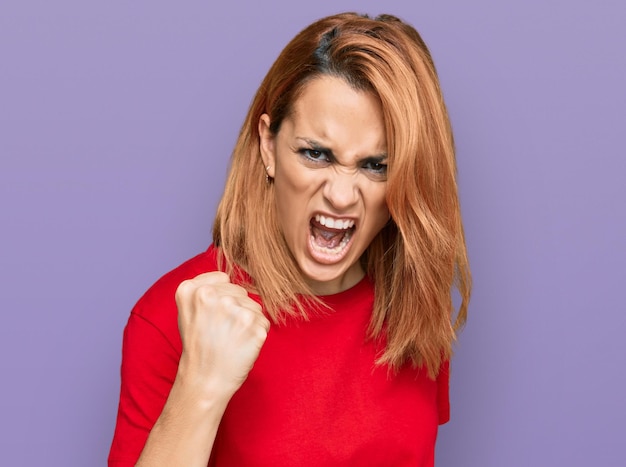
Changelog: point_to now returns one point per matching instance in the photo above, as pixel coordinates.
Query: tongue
(326, 238)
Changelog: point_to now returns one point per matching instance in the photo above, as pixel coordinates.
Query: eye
(375, 167)
(316, 155)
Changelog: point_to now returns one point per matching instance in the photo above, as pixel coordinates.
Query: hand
(222, 331)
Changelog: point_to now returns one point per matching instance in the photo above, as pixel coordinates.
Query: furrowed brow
(316, 146)
(378, 159)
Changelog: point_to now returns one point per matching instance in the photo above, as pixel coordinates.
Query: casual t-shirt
(315, 396)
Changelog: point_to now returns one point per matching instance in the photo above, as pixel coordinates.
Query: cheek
(295, 187)
(377, 212)
(290, 175)
(382, 217)
(379, 205)
(292, 198)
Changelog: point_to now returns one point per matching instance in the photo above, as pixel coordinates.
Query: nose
(341, 190)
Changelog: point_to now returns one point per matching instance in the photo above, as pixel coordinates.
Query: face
(328, 162)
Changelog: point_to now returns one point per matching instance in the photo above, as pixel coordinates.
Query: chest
(316, 397)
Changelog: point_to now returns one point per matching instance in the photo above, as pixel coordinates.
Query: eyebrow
(316, 146)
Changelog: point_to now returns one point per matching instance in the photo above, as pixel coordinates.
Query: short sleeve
(443, 393)
(150, 355)
(149, 366)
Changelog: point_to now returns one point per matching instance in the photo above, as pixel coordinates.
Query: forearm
(222, 330)
(185, 431)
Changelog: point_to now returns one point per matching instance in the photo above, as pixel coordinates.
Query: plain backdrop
(117, 119)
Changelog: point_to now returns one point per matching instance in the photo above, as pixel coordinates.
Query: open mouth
(330, 238)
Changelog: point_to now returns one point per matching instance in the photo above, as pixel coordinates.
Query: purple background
(116, 123)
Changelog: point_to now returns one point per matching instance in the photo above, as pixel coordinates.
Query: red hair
(417, 259)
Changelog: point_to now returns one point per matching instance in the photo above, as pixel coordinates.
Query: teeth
(334, 223)
(338, 249)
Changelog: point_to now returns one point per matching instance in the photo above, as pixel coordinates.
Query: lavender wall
(116, 121)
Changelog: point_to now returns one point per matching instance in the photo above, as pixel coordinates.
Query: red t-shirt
(313, 398)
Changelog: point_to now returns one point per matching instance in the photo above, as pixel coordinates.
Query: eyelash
(315, 155)
(321, 157)
(307, 153)
(377, 167)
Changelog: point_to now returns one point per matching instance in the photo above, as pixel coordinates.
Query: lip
(323, 257)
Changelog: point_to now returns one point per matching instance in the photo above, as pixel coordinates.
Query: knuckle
(229, 302)
(261, 334)
(184, 289)
(257, 307)
(245, 317)
(205, 294)
(217, 277)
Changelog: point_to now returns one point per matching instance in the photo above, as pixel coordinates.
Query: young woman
(317, 328)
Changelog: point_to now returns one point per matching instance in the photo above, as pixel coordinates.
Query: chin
(329, 279)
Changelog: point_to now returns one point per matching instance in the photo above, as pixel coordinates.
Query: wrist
(198, 384)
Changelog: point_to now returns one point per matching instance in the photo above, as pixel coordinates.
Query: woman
(317, 329)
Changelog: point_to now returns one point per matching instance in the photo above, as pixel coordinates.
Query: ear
(267, 144)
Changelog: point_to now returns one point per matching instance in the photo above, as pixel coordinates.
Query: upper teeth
(334, 223)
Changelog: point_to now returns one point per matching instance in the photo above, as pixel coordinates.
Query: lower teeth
(342, 244)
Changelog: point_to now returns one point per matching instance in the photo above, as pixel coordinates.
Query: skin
(329, 158)
(222, 328)
(222, 331)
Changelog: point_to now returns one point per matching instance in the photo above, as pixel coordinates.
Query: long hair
(420, 255)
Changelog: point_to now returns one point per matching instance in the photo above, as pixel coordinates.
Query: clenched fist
(222, 331)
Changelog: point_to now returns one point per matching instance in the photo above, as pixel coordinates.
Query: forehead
(331, 111)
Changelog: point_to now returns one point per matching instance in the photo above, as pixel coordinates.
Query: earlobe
(267, 145)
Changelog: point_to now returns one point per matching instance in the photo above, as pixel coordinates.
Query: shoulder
(157, 306)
